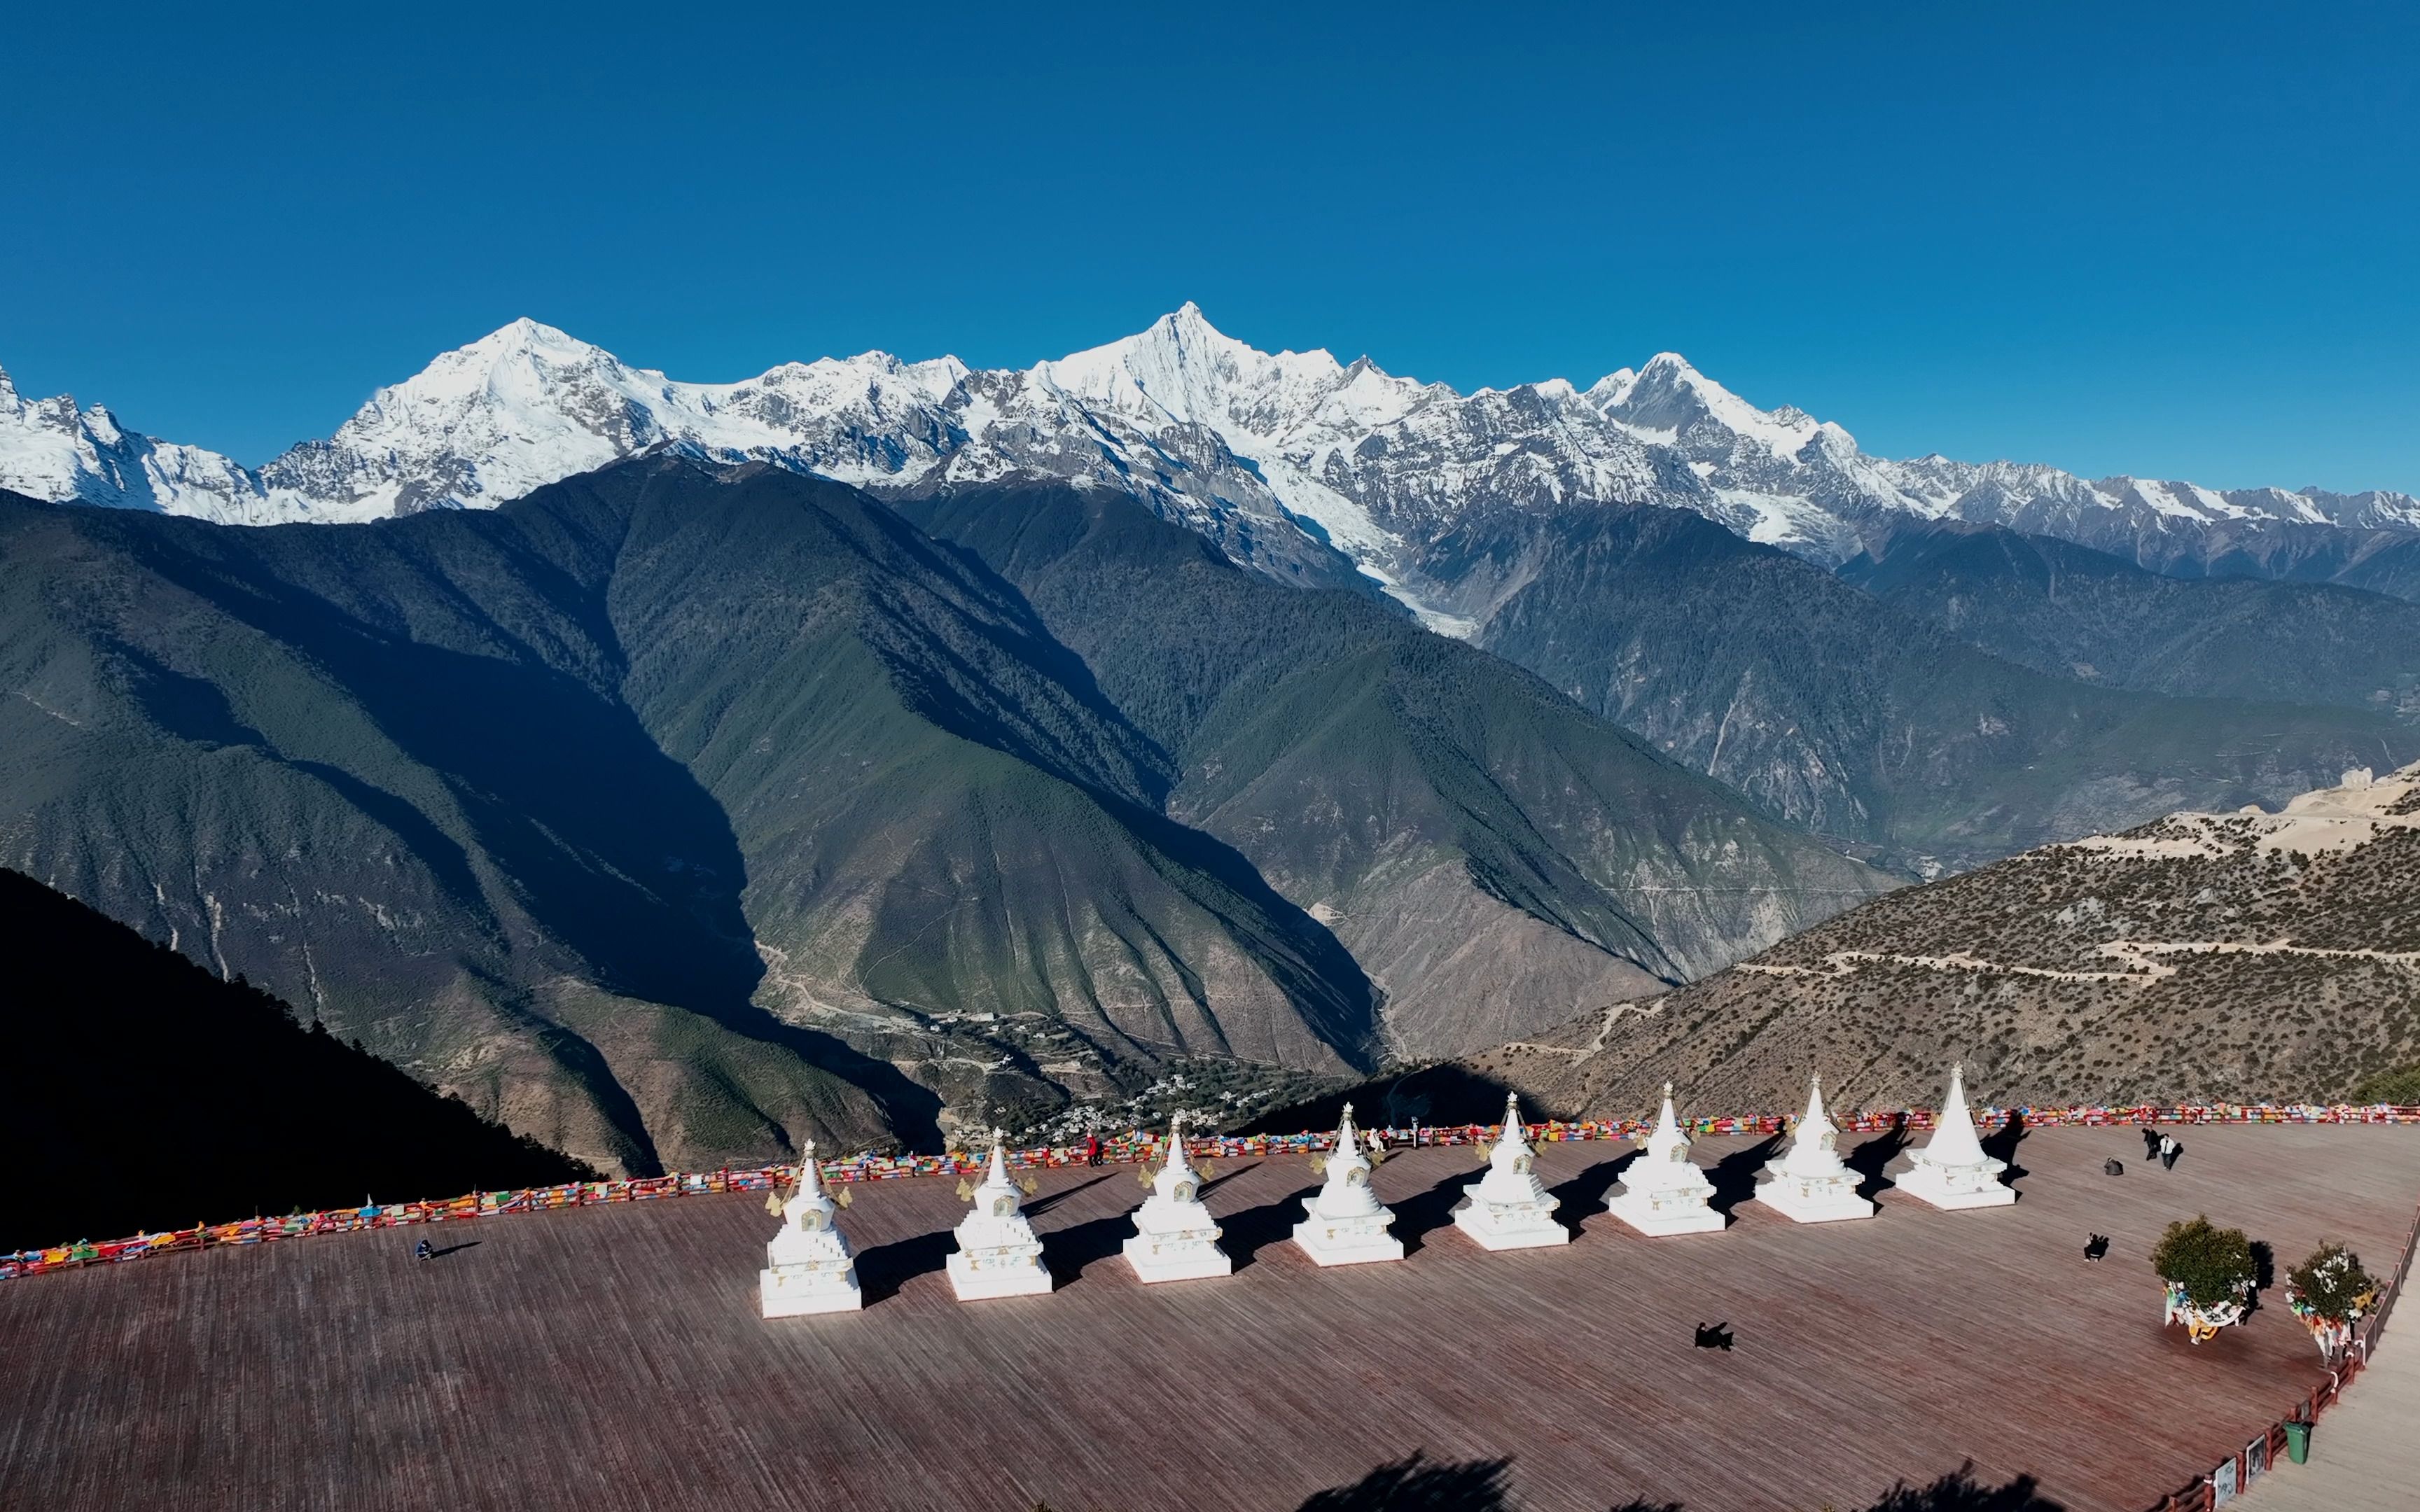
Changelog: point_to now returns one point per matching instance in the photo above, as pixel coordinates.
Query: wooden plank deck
(611, 1358)
(2364, 1454)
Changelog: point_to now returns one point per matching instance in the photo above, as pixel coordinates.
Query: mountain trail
(1580, 1052)
(2138, 955)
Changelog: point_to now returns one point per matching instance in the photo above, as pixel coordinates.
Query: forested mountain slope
(1481, 843)
(678, 813)
(2077, 612)
(497, 792)
(1845, 715)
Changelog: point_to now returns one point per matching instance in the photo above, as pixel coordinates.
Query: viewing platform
(611, 1357)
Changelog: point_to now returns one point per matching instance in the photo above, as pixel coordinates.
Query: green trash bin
(2298, 1442)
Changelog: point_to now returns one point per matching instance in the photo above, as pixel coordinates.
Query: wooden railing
(2240, 1468)
(871, 1167)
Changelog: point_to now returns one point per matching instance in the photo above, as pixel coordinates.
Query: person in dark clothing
(2151, 1138)
(421, 1251)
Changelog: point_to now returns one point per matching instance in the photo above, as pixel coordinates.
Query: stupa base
(1634, 1209)
(1938, 1186)
(1815, 1202)
(1331, 1243)
(782, 1296)
(1192, 1262)
(975, 1283)
(1501, 1229)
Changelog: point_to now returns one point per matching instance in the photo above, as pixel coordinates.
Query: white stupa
(1509, 1208)
(1345, 1223)
(808, 1265)
(1951, 1170)
(1663, 1190)
(998, 1253)
(1176, 1238)
(1809, 1183)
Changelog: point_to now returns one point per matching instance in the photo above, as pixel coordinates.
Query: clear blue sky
(2178, 241)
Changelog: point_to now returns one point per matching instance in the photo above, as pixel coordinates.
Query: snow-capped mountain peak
(518, 409)
(518, 338)
(1286, 459)
(1183, 369)
(1611, 390)
(1669, 399)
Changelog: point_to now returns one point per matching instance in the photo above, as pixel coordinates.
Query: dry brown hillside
(2239, 956)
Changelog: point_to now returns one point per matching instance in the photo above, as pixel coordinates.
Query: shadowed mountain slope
(1847, 716)
(2077, 612)
(678, 813)
(139, 1092)
(1487, 849)
(527, 799)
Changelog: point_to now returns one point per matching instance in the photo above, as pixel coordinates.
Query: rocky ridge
(2204, 956)
(1302, 467)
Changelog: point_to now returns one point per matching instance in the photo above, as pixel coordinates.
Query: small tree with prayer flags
(2209, 1274)
(2331, 1293)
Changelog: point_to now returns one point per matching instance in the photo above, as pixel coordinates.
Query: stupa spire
(1668, 1123)
(1176, 1159)
(1814, 1145)
(998, 1176)
(1516, 1133)
(1953, 1141)
(810, 1176)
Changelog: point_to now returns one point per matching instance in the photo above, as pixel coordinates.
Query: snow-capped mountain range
(1299, 466)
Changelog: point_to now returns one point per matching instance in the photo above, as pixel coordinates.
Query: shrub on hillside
(2399, 1088)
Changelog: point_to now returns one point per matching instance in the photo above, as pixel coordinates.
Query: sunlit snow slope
(1303, 468)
